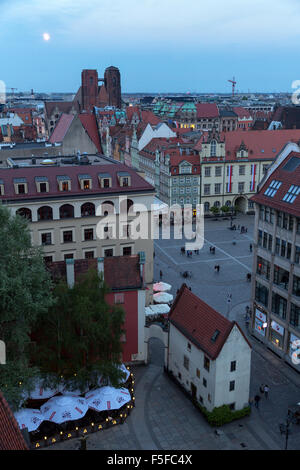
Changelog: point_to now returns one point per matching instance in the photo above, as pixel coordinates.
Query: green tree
(25, 294)
(215, 210)
(80, 338)
(225, 209)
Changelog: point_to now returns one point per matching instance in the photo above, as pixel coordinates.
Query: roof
(120, 272)
(63, 107)
(10, 434)
(61, 128)
(288, 174)
(242, 113)
(89, 123)
(207, 110)
(72, 171)
(198, 322)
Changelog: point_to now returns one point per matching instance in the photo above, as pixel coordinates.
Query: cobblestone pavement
(164, 418)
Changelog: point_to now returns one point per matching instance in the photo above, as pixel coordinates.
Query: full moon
(46, 36)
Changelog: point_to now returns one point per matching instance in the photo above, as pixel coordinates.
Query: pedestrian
(218, 268)
(250, 247)
(266, 390)
(257, 400)
(160, 274)
(262, 389)
(250, 402)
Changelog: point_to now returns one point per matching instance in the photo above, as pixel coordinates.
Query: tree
(225, 209)
(215, 210)
(25, 294)
(80, 338)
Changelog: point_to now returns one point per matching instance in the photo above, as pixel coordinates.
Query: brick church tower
(112, 83)
(89, 89)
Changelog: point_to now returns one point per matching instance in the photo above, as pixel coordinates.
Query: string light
(37, 445)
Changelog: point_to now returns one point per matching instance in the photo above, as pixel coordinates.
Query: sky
(158, 45)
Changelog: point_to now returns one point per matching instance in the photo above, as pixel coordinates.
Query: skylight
(272, 189)
(292, 194)
(215, 336)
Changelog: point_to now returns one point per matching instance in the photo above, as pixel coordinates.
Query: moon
(46, 36)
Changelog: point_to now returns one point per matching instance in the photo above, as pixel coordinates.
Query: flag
(253, 173)
(229, 184)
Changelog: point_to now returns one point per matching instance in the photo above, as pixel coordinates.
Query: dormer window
(105, 180)
(21, 186)
(42, 184)
(213, 148)
(124, 179)
(64, 183)
(85, 182)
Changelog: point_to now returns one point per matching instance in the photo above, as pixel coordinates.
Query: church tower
(89, 89)
(112, 83)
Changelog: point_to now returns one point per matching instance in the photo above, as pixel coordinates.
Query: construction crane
(233, 85)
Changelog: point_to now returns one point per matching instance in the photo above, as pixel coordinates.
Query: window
(261, 294)
(207, 189)
(207, 171)
(119, 298)
(232, 366)
(295, 316)
(127, 251)
(48, 259)
(241, 187)
(242, 170)
(272, 189)
(106, 183)
(281, 277)
(263, 267)
(68, 236)
(198, 373)
(45, 213)
(88, 234)
(21, 188)
(46, 238)
(204, 381)
(206, 363)
(66, 211)
(279, 305)
(232, 406)
(88, 209)
(296, 286)
(189, 347)
(43, 187)
(125, 181)
(218, 171)
(217, 188)
(108, 252)
(89, 254)
(213, 148)
(297, 254)
(231, 385)
(292, 194)
(68, 256)
(186, 362)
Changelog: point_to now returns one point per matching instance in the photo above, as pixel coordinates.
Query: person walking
(256, 401)
(160, 274)
(262, 389)
(266, 390)
(250, 247)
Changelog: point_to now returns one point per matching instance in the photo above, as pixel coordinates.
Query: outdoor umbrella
(162, 297)
(107, 398)
(64, 408)
(102, 381)
(40, 392)
(161, 287)
(159, 309)
(29, 418)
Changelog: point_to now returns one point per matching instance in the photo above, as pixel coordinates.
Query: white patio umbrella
(29, 418)
(161, 287)
(159, 309)
(64, 408)
(40, 392)
(162, 297)
(107, 398)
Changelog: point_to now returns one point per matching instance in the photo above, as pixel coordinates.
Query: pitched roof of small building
(207, 110)
(199, 323)
(286, 197)
(61, 128)
(10, 434)
(89, 123)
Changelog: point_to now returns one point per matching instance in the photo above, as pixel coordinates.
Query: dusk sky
(158, 45)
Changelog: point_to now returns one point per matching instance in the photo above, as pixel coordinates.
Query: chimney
(100, 267)
(70, 272)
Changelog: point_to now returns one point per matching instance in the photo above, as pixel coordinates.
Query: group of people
(212, 250)
(264, 391)
(217, 268)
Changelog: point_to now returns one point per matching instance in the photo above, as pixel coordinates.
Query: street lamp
(284, 429)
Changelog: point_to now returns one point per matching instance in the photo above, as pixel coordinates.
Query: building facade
(276, 264)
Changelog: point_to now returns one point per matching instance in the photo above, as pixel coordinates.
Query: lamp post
(284, 429)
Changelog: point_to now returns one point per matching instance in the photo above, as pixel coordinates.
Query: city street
(164, 418)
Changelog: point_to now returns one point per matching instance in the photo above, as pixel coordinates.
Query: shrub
(223, 414)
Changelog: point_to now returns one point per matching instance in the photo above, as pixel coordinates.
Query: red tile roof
(287, 178)
(242, 112)
(120, 272)
(8, 174)
(10, 434)
(61, 128)
(198, 322)
(207, 110)
(89, 123)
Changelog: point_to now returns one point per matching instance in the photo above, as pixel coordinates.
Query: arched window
(66, 211)
(217, 204)
(213, 148)
(228, 203)
(206, 207)
(24, 212)
(45, 213)
(108, 207)
(88, 209)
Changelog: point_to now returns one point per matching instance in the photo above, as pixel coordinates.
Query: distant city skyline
(157, 45)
